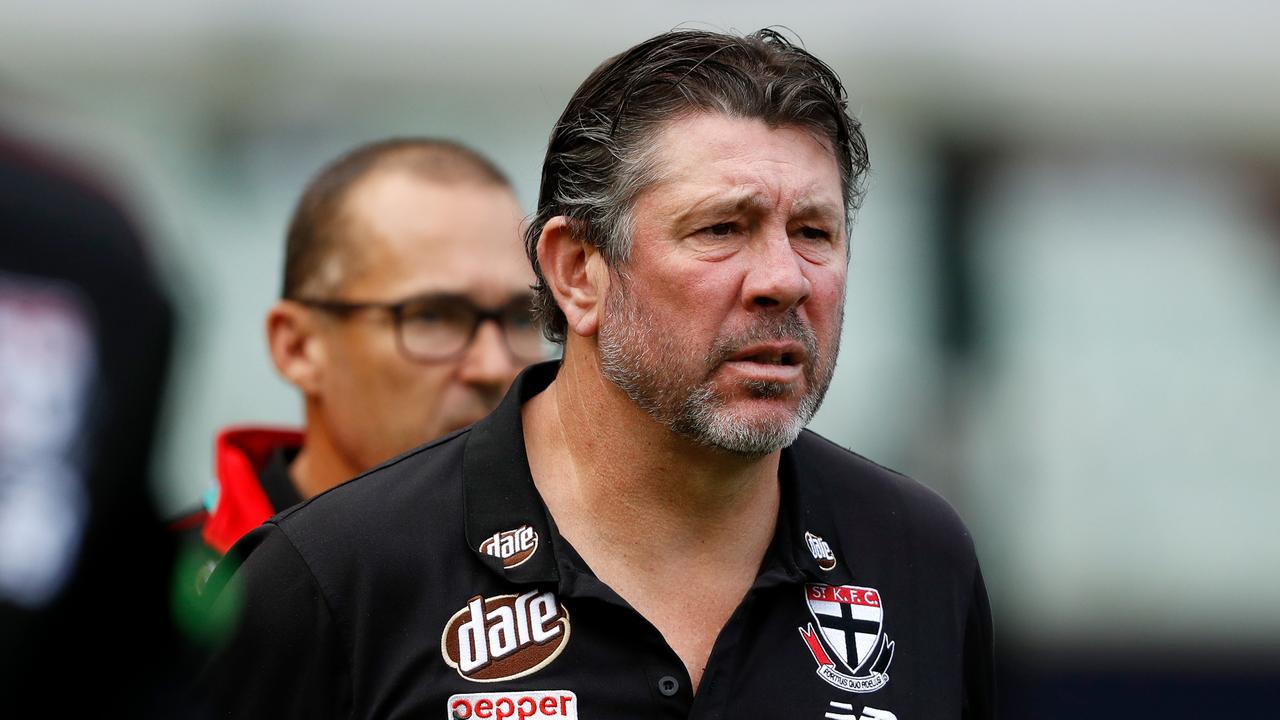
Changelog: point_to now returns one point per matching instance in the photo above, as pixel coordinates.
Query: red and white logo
(513, 547)
(506, 636)
(515, 705)
(821, 551)
(850, 646)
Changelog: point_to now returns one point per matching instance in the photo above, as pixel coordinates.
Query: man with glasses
(405, 315)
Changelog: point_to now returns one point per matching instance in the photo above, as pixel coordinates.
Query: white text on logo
(505, 637)
(513, 547)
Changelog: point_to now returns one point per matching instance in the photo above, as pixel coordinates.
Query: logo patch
(852, 651)
(506, 636)
(821, 551)
(513, 547)
(515, 705)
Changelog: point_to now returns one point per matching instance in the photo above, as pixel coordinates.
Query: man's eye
(427, 314)
(519, 320)
(812, 233)
(720, 229)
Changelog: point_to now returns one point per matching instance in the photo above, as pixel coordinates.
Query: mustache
(788, 326)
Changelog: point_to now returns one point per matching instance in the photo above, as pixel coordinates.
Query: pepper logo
(849, 623)
(506, 636)
(516, 705)
(821, 551)
(513, 547)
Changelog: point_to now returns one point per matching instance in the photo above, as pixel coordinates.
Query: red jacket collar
(239, 455)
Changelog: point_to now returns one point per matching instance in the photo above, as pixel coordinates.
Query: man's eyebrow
(514, 298)
(720, 203)
(819, 210)
(736, 202)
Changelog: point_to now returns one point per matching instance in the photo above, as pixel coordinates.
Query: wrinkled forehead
(734, 163)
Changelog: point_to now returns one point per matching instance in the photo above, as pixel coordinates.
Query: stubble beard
(651, 368)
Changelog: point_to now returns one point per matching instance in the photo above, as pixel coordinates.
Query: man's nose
(776, 279)
(488, 360)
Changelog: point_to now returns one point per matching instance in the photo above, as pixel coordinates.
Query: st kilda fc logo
(506, 636)
(849, 644)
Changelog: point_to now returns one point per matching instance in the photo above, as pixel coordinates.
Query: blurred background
(1063, 299)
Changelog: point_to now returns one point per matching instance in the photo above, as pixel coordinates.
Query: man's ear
(576, 274)
(296, 349)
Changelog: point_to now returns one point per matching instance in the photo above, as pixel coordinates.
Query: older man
(405, 315)
(644, 530)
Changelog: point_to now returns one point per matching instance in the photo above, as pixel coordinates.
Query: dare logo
(505, 637)
(820, 550)
(512, 547)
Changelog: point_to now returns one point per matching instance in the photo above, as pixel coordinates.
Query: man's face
(413, 237)
(724, 324)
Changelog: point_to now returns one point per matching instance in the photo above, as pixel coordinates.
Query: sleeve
(282, 655)
(979, 656)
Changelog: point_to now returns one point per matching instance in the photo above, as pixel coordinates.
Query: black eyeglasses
(434, 328)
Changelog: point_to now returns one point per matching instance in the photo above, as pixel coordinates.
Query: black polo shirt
(437, 586)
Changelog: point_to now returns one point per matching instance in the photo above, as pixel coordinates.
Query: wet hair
(319, 255)
(601, 154)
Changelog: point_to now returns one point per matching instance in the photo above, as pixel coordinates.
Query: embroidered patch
(515, 705)
(506, 636)
(513, 547)
(850, 646)
(821, 551)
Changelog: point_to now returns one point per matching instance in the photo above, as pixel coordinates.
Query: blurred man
(85, 329)
(405, 315)
(644, 530)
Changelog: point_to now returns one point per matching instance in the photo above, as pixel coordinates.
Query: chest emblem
(821, 551)
(505, 636)
(512, 547)
(849, 643)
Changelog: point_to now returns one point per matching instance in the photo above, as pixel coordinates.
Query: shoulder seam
(324, 597)
(861, 457)
(389, 463)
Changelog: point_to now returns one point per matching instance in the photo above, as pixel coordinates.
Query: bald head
(320, 255)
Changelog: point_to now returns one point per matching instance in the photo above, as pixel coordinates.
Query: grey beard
(638, 363)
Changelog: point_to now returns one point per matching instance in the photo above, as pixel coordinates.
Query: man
(85, 329)
(643, 530)
(405, 315)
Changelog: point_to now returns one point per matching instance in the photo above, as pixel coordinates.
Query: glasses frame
(344, 308)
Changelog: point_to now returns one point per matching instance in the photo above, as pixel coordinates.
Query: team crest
(847, 637)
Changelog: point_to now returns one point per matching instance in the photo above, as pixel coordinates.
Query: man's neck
(318, 466)
(594, 452)
(678, 530)
(592, 446)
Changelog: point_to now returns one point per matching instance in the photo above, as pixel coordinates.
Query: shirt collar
(499, 496)
(498, 490)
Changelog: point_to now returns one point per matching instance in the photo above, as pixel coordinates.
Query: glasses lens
(433, 329)
(523, 335)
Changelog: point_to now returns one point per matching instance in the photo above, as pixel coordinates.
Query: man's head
(395, 253)
(708, 181)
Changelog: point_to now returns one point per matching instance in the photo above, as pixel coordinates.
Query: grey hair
(602, 153)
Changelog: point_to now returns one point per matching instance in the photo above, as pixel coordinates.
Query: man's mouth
(781, 361)
(776, 353)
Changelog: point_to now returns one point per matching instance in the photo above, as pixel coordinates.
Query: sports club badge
(847, 636)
